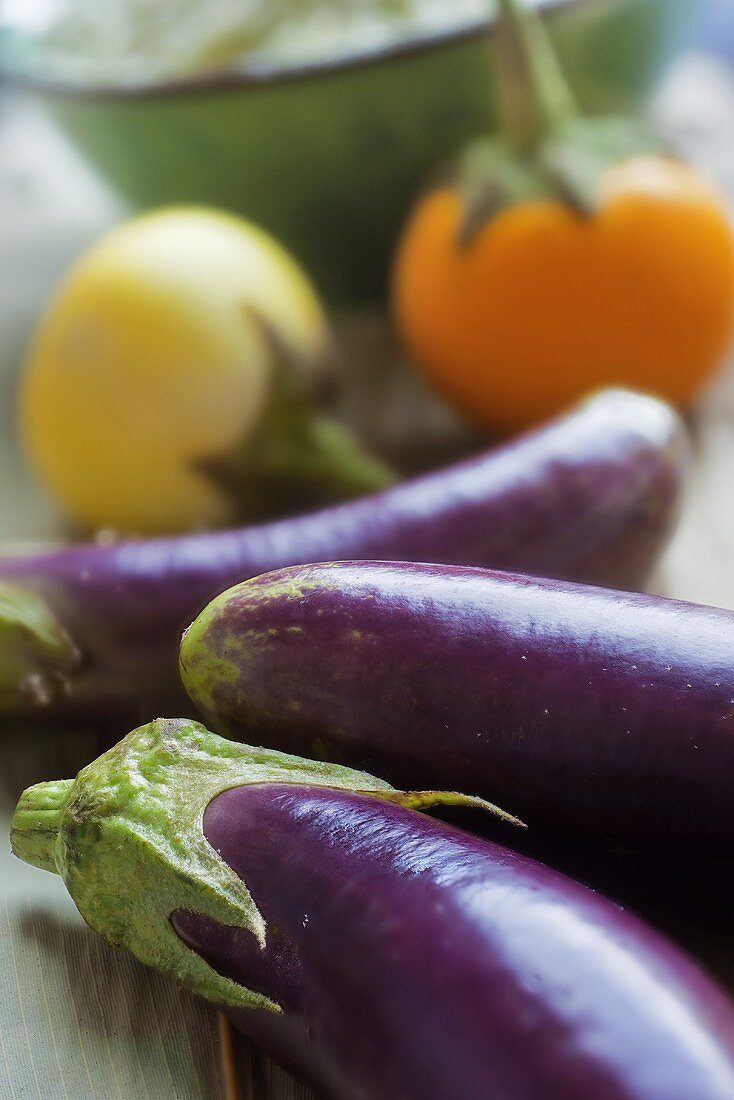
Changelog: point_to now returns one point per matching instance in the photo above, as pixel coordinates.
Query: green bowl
(328, 157)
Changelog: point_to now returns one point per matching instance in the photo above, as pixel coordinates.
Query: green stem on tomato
(548, 99)
(548, 149)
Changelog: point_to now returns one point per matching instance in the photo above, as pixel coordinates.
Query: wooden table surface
(109, 1028)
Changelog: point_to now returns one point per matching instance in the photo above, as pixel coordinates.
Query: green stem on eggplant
(126, 838)
(297, 456)
(36, 654)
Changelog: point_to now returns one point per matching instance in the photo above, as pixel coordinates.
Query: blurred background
(101, 116)
(322, 127)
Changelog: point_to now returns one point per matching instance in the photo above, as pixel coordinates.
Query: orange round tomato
(546, 303)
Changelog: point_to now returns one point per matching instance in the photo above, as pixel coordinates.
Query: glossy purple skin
(593, 496)
(578, 708)
(416, 962)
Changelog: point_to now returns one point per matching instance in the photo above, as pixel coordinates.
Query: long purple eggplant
(378, 952)
(592, 496)
(589, 711)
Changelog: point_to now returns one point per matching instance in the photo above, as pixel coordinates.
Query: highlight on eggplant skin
(592, 496)
(591, 713)
(376, 951)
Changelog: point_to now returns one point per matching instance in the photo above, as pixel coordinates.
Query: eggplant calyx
(427, 800)
(127, 838)
(297, 456)
(37, 656)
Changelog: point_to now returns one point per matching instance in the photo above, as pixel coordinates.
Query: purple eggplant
(589, 711)
(592, 496)
(378, 952)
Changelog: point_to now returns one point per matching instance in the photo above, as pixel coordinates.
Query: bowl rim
(267, 75)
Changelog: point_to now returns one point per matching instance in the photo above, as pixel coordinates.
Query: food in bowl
(128, 41)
